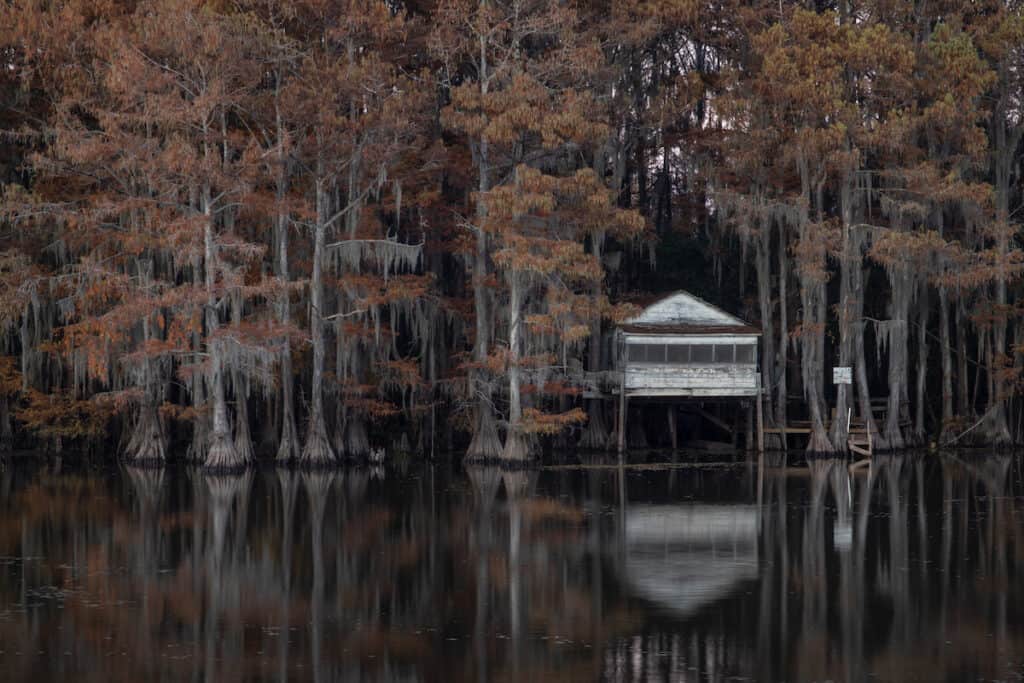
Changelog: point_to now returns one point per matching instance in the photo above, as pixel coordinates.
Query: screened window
(697, 354)
(678, 353)
(702, 353)
(655, 353)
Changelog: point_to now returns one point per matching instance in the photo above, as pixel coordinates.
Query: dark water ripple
(908, 570)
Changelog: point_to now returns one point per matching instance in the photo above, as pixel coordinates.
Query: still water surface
(909, 570)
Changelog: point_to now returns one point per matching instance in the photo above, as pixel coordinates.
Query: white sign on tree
(842, 375)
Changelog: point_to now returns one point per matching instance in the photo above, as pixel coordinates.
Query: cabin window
(684, 354)
(647, 353)
(655, 353)
(702, 353)
(745, 353)
(678, 353)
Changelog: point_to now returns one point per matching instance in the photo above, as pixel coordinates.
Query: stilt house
(683, 347)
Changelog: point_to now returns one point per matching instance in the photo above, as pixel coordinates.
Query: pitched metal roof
(684, 313)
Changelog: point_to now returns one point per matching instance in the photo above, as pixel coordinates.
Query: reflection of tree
(147, 485)
(492, 576)
(289, 486)
(317, 485)
(875, 599)
(224, 642)
(485, 482)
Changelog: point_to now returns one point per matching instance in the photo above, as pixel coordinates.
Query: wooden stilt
(760, 419)
(622, 417)
(673, 437)
(750, 426)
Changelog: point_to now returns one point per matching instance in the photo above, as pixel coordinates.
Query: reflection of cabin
(686, 557)
(684, 348)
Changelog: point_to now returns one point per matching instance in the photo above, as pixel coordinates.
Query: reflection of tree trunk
(773, 623)
(221, 492)
(813, 565)
(595, 508)
(147, 487)
(317, 485)
(485, 481)
(947, 540)
(289, 483)
(898, 580)
(851, 585)
(517, 487)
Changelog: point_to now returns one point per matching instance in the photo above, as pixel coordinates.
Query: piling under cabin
(682, 347)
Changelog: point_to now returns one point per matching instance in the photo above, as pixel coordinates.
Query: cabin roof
(690, 329)
(684, 313)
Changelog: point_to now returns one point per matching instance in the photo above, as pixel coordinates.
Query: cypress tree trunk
(848, 262)
(147, 444)
(896, 341)
(595, 434)
(947, 366)
(221, 454)
(288, 448)
(963, 388)
(763, 267)
(782, 373)
(860, 365)
(1004, 157)
(485, 444)
(317, 449)
(6, 431)
(516, 447)
(920, 434)
(243, 433)
(812, 297)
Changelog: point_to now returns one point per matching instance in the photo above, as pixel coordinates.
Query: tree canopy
(324, 230)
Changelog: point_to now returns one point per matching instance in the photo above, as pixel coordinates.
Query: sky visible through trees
(318, 229)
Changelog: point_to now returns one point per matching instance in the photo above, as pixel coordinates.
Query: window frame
(687, 357)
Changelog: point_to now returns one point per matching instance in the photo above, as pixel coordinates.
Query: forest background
(310, 230)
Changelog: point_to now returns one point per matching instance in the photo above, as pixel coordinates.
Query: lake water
(912, 569)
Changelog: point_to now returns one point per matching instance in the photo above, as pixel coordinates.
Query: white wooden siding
(720, 379)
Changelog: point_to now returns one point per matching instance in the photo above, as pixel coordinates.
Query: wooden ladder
(858, 438)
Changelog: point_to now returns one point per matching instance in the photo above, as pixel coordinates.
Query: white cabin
(681, 347)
